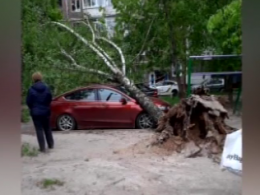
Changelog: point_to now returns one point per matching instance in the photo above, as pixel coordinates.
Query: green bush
(28, 150)
(25, 116)
(170, 100)
(50, 183)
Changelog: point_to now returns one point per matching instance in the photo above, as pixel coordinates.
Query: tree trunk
(184, 76)
(173, 58)
(144, 101)
(179, 82)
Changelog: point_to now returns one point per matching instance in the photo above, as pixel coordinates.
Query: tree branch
(106, 40)
(145, 40)
(92, 47)
(90, 27)
(119, 51)
(95, 44)
(74, 63)
(98, 72)
(63, 52)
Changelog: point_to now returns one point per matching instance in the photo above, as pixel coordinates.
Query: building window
(75, 5)
(92, 3)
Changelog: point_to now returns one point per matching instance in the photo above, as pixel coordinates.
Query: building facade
(75, 10)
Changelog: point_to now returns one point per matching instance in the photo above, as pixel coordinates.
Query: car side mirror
(123, 101)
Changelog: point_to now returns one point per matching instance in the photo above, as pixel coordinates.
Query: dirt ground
(102, 163)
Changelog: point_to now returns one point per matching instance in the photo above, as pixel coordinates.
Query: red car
(100, 106)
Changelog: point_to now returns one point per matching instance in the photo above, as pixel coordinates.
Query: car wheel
(144, 121)
(66, 123)
(174, 93)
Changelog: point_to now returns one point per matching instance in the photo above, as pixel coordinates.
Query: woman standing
(38, 100)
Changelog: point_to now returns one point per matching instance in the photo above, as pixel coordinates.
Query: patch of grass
(50, 183)
(28, 150)
(171, 100)
(25, 116)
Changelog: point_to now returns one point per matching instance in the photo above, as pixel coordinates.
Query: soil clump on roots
(195, 126)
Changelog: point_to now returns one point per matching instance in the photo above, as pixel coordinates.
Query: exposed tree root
(196, 126)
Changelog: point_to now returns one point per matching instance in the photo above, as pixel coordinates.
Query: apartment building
(75, 9)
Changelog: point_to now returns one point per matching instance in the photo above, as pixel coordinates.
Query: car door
(84, 107)
(113, 114)
(161, 88)
(166, 88)
(170, 86)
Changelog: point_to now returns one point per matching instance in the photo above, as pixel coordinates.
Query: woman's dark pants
(43, 131)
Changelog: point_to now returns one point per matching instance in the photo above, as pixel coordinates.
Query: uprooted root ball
(196, 126)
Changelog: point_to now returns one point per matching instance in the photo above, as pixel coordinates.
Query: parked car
(151, 92)
(167, 87)
(100, 106)
(212, 84)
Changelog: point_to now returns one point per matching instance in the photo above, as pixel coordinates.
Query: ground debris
(195, 126)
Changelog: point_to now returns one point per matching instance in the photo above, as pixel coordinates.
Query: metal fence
(221, 74)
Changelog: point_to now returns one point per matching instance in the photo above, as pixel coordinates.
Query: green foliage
(25, 117)
(50, 183)
(172, 24)
(41, 42)
(28, 150)
(217, 65)
(161, 28)
(171, 100)
(225, 28)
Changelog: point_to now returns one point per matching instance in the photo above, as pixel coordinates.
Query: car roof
(97, 86)
(107, 86)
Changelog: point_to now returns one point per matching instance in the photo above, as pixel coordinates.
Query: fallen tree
(195, 126)
(114, 71)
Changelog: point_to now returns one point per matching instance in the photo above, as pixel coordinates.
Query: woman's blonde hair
(37, 76)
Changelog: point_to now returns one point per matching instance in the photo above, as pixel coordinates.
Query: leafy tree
(168, 31)
(225, 28)
(41, 49)
(50, 45)
(161, 29)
